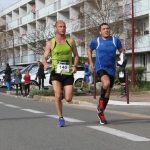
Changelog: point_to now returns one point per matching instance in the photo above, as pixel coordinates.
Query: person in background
(40, 75)
(105, 65)
(87, 77)
(17, 81)
(7, 78)
(122, 73)
(27, 79)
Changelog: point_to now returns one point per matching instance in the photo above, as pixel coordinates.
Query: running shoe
(61, 122)
(102, 119)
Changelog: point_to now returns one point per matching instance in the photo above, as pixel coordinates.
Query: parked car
(78, 77)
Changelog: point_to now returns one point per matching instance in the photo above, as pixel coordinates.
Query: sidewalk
(142, 98)
(115, 99)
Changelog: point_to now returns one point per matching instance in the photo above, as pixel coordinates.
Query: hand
(74, 69)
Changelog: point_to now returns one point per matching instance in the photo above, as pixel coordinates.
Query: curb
(83, 101)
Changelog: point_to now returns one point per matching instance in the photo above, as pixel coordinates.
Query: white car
(78, 77)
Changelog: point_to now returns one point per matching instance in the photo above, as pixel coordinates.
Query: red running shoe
(101, 117)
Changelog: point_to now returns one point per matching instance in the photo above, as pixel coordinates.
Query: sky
(6, 3)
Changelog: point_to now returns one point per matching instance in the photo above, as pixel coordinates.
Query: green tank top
(61, 56)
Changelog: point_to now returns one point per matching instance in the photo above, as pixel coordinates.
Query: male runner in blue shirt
(105, 64)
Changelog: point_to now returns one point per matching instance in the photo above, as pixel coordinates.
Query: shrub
(43, 92)
(138, 73)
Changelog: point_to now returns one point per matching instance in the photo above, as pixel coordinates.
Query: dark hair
(99, 28)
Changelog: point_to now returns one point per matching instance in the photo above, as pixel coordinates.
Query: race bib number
(62, 67)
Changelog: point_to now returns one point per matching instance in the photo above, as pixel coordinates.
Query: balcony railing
(2, 22)
(46, 10)
(30, 58)
(142, 41)
(43, 12)
(141, 5)
(3, 45)
(28, 18)
(13, 24)
(64, 3)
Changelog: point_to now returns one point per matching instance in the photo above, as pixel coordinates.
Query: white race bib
(62, 67)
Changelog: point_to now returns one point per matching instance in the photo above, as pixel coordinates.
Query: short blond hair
(59, 21)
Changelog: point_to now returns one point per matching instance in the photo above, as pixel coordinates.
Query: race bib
(62, 67)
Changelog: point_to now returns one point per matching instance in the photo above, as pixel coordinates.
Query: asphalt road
(30, 125)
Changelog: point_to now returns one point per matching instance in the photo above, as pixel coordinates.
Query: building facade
(26, 25)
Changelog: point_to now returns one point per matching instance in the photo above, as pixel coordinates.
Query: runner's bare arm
(89, 52)
(76, 56)
(46, 54)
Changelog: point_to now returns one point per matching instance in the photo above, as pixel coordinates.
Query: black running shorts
(64, 79)
(100, 73)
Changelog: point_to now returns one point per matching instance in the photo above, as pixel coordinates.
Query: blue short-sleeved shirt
(87, 73)
(106, 53)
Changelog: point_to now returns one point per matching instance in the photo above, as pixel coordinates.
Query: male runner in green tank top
(61, 48)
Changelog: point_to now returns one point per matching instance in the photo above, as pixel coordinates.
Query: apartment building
(25, 24)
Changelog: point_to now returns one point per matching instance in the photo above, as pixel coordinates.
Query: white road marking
(120, 133)
(66, 118)
(33, 111)
(122, 103)
(12, 106)
(108, 130)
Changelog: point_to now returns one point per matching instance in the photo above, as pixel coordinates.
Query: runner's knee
(68, 99)
(106, 85)
(58, 97)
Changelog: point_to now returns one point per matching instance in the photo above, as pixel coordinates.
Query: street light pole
(133, 77)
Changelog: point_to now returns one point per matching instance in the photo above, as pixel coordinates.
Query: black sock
(103, 91)
(105, 102)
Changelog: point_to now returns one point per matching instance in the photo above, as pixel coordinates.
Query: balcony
(65, 3)
(142, 42)
(17, 41)
(141, 7)
(2, 22)
(28, 18)
(29, 58)
(13, 24)
(3, 45)
(17, 60)
(47, 10)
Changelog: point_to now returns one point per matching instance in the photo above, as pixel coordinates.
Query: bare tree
(3, 57)
(108, 11)
(37, 40)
